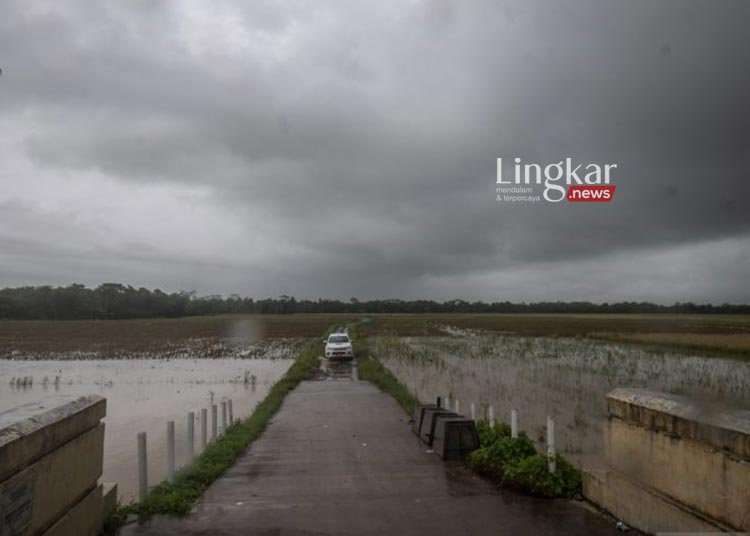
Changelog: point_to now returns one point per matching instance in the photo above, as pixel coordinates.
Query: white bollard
(447, 402)
(513, 424)
(491, 418)
(142, 467)
(223, 416)
(458, 407)
(214, 421)
(551, 465)
(473, 409)
(231, 413)
(170, 452)
(204, 429)
(190, 437)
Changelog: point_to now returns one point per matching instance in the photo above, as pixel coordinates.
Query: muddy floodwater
(565, 378)
(142, 395)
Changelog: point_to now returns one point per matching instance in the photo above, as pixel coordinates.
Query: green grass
(177, 499)
(370, 370)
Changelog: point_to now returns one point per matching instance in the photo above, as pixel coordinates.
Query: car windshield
(338, 338)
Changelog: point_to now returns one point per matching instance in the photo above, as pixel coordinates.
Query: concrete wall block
(42, 492)
(83, 519)
(109, 498)
(710, 481)
(30, 431)
(640, 507)
(721, 427)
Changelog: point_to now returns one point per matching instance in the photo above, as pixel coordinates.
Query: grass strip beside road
(370, 370)
(177, 499)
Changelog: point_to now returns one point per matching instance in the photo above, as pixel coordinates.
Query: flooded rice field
(143, 393)
(187, 348)
(565, 378)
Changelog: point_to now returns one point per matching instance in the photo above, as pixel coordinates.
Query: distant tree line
(113, 300)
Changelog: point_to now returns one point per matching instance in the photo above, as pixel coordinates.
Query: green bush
(489, 434)
(497, 457)
(515, 463)
(532, 475)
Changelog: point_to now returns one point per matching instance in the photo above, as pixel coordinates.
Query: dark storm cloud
(302, 146)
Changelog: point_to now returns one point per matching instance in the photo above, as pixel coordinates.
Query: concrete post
(214, 421)
(231, 413)
(447, 402)
(204, 429)
(513, 423)
(142, 467)
(473, 409)
(551, 445)
(170, 452)
(491, 417)
(190, 437)
(223, 416)
(458, 407)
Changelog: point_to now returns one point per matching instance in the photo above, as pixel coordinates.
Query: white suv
(339, 345)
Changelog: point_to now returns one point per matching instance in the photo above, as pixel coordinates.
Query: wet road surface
(339, 458)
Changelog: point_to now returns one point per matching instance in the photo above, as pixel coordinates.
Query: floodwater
(142, 395)
(567, 379)
(337, 369)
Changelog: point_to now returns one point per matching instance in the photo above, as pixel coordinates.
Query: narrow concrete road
(339, 458)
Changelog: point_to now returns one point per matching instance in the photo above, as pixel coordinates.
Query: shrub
(496, 458)
(532, 475)
(489, 434)
(515, 463)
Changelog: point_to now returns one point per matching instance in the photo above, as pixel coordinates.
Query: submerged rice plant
(565, 378)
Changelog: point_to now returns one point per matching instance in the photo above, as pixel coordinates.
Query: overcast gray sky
(337, 149)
